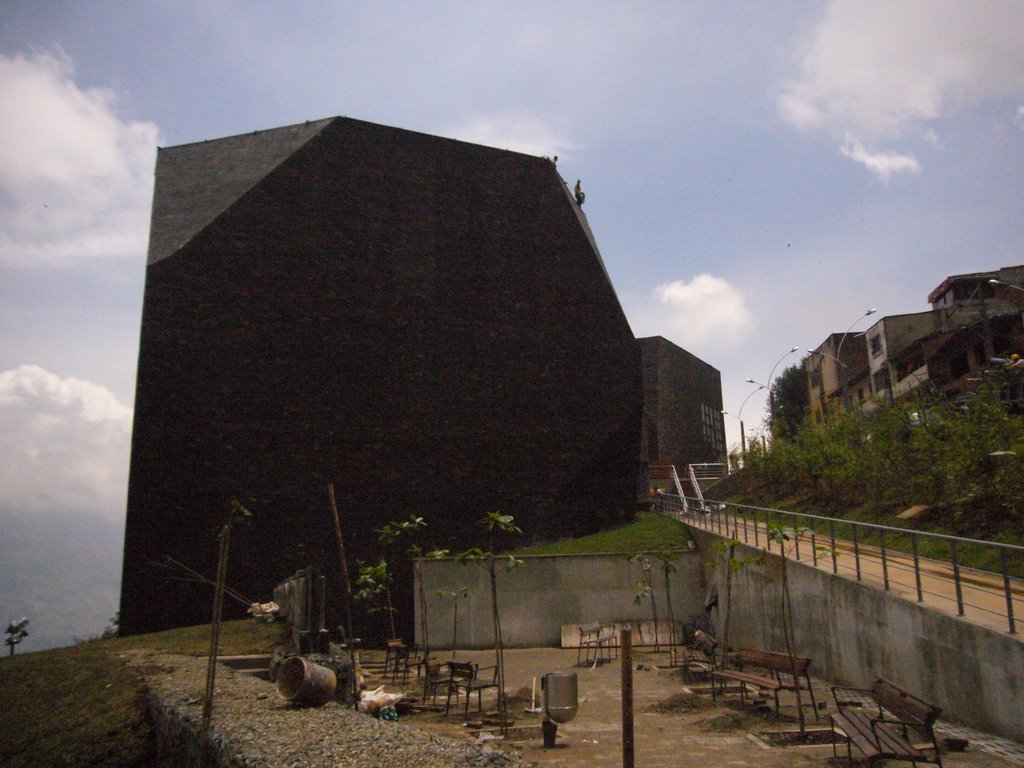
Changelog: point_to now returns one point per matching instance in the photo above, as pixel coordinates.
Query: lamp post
(993, 281)
(739, 417)
(839, 351)
(768, 386)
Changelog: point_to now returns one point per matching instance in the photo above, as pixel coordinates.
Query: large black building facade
(424, 323)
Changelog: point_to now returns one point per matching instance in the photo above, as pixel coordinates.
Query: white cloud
(878, 69)
(75, 179)
(520, 133)
(882, 164)
(705, 309)
(65, 444)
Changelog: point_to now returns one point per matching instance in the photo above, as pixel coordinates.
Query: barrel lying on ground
(302, 682)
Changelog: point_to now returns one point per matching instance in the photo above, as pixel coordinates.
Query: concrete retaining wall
(855, 633)
(536, 599)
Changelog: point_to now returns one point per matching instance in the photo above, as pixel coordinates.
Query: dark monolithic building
(425, 323)
(682, 406)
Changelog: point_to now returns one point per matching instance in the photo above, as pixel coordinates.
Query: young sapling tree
(454, 597)
(495, 524)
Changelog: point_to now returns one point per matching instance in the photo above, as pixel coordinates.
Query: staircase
(663, 477)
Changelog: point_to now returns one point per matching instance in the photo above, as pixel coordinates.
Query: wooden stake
(224, 540)
(348, 590)
(626, 641)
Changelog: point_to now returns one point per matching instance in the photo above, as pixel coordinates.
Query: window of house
(876, 345)
(880, 380)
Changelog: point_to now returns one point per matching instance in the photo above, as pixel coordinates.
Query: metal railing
(698, 472)
(944, 571)
(708, 471)
(695, 484)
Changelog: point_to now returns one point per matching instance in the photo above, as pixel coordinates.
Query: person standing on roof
(580, 196)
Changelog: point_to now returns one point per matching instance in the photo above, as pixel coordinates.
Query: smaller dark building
(682, 406)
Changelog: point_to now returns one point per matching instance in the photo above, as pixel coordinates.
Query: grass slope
(650, 533)
(80, 706)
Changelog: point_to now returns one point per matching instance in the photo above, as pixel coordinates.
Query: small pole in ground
(626, 642)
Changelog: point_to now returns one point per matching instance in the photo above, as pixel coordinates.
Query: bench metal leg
(814, 704)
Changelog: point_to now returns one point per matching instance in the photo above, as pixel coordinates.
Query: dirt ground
(676, 723)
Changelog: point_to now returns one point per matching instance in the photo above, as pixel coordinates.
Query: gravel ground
(254, 728)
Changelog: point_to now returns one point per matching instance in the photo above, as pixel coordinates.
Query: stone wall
(854, 633)
(547, 592)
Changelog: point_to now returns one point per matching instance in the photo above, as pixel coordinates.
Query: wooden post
(627, 697)
(224, 540)
(348, 592)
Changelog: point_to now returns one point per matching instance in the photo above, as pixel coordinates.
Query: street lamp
(739, 416)
(826, 354)
(768, 386)
(993, 281)
(794, 349)
(839, 352)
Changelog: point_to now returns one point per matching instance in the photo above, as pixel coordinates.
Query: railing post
(796, 540)
(1005, 562)
(885, 562)
(956, 580)
(832, 537)
(917, 568)
(814, 547)
(856, 551)
(757, 535)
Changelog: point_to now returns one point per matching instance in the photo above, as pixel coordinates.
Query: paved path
(982, 594)
(695, 733)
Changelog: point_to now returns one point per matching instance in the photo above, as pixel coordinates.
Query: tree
(374, 582)
(237, 514)
(791, 402)
(418, 556)
(645, 589)
(16, 632)
(454, 597)
(387, 535)
(667, 558)
(724, 550)
(494, 524)
(781, 536)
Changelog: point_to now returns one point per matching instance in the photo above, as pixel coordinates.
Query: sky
(757, 175)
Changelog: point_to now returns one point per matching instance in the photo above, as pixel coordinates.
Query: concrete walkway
(675, 725)
(983, 594)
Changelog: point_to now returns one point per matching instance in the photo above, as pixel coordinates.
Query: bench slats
(745, 677)
(778, 665)
(880, 737)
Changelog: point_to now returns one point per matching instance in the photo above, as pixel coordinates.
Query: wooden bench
(885, 722)
(699, 655)
(782, 674)
(464, 677)
(598, 640)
